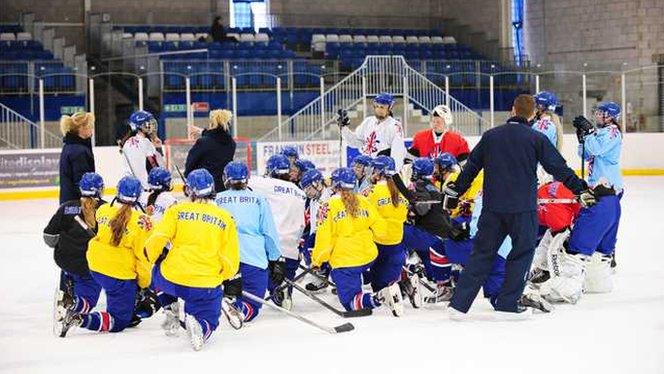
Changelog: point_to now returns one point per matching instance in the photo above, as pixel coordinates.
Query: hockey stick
(425, 284)
(285, 285)
(341, 313)
(85, 226)
(330, 330)
(583, 160)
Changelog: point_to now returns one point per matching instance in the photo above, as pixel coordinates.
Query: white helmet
(444, 112)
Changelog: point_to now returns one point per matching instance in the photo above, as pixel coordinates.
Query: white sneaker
(195, 332)
(456, 315)
(171, 324)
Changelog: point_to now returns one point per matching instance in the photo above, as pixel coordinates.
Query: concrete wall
(604, 35)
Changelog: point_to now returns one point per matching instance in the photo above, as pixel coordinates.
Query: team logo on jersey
(543, 124)
(398, 129)
(371, 144)
(613, 132)
(144, 222)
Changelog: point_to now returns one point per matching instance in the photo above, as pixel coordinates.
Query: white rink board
(323, 153)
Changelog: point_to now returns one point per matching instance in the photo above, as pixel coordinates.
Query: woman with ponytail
(117, 261)
(68, 233)
(345, 238)
(214, 149)
(76, 157)
(392, 210)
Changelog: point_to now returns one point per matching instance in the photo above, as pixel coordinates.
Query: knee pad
(598, 274)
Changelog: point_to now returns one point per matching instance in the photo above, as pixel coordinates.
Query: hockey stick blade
(346, 327)
(357, 313)
(331, 330)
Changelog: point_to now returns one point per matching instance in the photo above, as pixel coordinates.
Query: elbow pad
(51, 240)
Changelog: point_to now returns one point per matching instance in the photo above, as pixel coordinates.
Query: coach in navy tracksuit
(509, 155)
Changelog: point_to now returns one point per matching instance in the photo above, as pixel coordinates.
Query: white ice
(612, 333)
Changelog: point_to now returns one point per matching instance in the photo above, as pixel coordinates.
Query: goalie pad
(598, 274)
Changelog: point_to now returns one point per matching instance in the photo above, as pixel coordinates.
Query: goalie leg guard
(567, 277)
(598, 274)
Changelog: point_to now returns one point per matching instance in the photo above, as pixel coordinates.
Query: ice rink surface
(621, 332)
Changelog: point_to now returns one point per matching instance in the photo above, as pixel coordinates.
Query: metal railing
(377, 74)
(18, 132)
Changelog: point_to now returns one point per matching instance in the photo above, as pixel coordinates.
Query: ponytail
(73, 123)
(89, 208)
(119, 224)
(394, 192)
(351, 202)
(153, 197)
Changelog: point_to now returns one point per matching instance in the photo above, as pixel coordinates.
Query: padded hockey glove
(587, 198)
(451, 199)
(233, 286)
(147, 303)
(277, 270)
(343, 119)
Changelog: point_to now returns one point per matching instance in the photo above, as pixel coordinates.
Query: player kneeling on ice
(345, 239)
(392, 209)
(204, 252)
(68, 232)
(585, 264)
(287, 204)
(117, 261)
(298, 168)
(259, 241)
(313, 185)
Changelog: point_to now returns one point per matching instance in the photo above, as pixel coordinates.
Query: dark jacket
(509, 155)
(76, 159)
(212, 152)
(68, 238)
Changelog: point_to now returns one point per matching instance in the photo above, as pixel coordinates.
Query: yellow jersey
(127, 260)
(393, 217)
(343, 240)
(204, 244)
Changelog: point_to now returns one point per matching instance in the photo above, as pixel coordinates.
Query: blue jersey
(547, 127)
(259, 241)
(602, 151)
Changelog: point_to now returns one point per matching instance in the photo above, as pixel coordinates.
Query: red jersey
(428, 144)
(556, 216)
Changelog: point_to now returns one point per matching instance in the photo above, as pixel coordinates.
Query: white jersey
(164, 201)
(314, 207)
(139, 157)
(287, 204)
(372, 137)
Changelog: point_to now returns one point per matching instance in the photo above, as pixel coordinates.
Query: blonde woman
(76, 157)
(214, 149)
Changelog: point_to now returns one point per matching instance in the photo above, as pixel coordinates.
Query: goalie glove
(343, 119)
(233, 286)
(583, 127)
(277, 271)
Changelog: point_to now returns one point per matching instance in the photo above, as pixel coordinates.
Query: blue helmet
(610, 109)
(446, 160)
(384, 98)
(142, 120)
(200, 183)
(129, 190)
(547, 100)
(304, 165)
(383, 165)
(344, 178)
(290, 151)
(236, 171)
(422, 167)
(91, 185)
(363, 160)
(277, 164)
(160, 179)
(310, 177)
